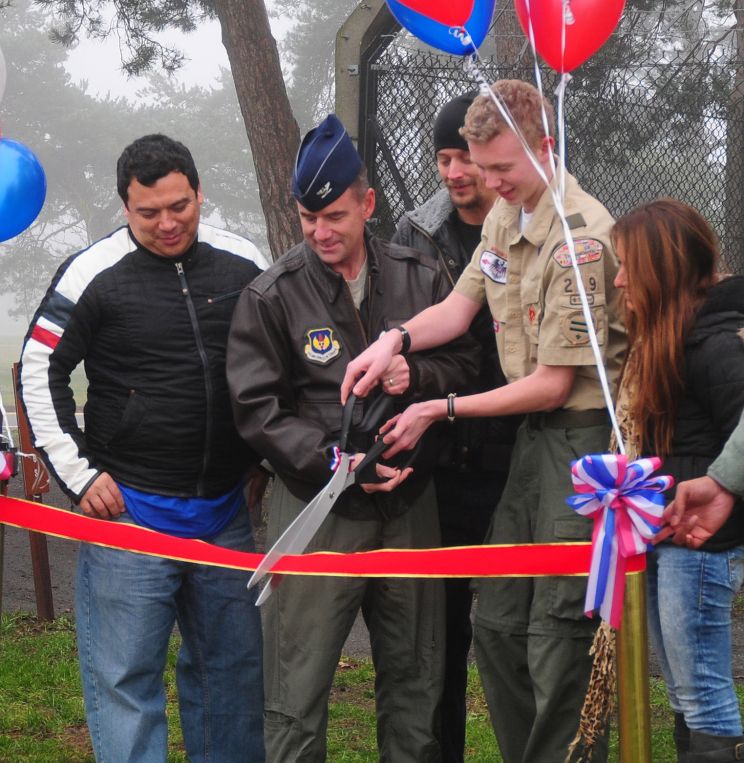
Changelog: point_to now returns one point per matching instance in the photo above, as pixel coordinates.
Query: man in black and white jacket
(147, 309)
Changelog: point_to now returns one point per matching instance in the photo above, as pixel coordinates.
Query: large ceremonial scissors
(295, 539)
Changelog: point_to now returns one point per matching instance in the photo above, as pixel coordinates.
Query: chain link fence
(658, 111)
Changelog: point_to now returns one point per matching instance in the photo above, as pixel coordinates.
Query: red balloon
(589, 23)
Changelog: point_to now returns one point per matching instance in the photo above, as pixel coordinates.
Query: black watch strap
(406, 340)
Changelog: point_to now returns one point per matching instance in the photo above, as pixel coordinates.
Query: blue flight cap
(326, 165)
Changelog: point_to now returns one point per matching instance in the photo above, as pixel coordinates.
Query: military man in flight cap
(293, 333)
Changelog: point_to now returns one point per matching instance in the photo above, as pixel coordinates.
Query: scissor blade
(266, 591)
(271, 557)
(297, 536)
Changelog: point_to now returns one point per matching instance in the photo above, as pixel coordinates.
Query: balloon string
(467, 41)
(560, 92)
(586, 310)
(566, 9)
(557, 192)
(538, 82)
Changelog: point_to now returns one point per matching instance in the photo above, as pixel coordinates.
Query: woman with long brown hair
(681, 395)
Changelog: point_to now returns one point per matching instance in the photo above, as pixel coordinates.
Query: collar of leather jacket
(329, 283)
(328, 280)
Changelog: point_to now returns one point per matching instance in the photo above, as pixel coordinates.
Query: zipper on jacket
(207, 379)
(224, 297)
(356, 315)
(370, 292)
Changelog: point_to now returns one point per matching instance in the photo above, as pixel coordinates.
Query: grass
(42, 718)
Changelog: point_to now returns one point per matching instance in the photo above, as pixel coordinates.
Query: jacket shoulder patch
(587, 250)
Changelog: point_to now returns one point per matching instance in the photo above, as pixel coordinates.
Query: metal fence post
(634, 716)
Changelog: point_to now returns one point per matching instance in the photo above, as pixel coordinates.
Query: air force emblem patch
(321, 347)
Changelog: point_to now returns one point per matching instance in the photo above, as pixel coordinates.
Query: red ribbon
(524, 560)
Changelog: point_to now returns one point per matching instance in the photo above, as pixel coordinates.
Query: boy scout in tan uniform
(532, 638)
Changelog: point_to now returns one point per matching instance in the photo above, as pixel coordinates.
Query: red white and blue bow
(626, 508)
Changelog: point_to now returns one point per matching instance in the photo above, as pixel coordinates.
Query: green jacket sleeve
(728, 468)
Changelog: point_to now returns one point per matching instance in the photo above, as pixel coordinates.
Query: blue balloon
(22, 188)
(454, 26)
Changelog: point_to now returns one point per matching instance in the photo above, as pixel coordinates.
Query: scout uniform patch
(494, 266)
(574, 327)
(321, 347)
(587, 250)
(575, 300)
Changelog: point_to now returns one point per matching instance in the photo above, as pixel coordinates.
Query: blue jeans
(690, 595)
(126, 606)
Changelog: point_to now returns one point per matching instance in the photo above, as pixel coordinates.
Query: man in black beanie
(473, 469)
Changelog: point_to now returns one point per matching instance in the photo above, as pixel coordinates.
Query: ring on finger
(391, 381)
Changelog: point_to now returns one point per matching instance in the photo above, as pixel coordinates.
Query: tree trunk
(271, 127)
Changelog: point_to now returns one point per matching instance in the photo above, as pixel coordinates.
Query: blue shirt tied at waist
(183, 517)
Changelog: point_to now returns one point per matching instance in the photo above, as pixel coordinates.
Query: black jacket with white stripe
(152, 333)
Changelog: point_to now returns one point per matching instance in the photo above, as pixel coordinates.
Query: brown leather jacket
(294, 330)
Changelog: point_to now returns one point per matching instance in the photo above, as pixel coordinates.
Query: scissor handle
(369, 460)
(373, 455)
(377, 414)
(348, 415)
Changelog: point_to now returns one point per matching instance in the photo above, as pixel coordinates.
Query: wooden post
(35, 484)
(42, 576)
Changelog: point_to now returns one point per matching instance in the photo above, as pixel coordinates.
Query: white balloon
(2, 74)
